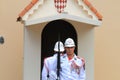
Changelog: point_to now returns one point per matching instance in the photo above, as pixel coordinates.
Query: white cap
(61, 46)
(69, 42)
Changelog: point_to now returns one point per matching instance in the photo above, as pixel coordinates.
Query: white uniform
(70, 69)
(49, 68)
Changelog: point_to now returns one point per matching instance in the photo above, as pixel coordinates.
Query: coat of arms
(60, 5)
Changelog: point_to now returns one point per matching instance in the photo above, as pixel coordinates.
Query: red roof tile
(93, 9)
(26, 9)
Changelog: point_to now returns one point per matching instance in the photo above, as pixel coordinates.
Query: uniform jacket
(70, 69)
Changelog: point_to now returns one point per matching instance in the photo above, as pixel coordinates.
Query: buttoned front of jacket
(70, 69)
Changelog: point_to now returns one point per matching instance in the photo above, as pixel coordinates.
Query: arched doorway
(50, 34)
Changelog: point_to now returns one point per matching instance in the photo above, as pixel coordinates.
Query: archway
(50, 34)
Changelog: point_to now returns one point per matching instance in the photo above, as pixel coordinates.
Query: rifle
(58, 60)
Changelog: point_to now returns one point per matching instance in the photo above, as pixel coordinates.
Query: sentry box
(47, 20)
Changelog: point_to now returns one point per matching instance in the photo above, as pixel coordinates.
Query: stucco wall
(11, 52)
(107, 41)
(107, 45)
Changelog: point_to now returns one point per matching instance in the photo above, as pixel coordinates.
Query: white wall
(32, 52)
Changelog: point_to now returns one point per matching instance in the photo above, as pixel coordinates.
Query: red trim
(28, 7)
(99, 16)
(69, 58)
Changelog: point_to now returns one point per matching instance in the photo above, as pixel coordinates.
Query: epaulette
(82, 59)
(47, 58)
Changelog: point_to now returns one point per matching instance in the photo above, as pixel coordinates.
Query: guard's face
(70, 50)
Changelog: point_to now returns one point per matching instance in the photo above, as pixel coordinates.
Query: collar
(74, 57)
